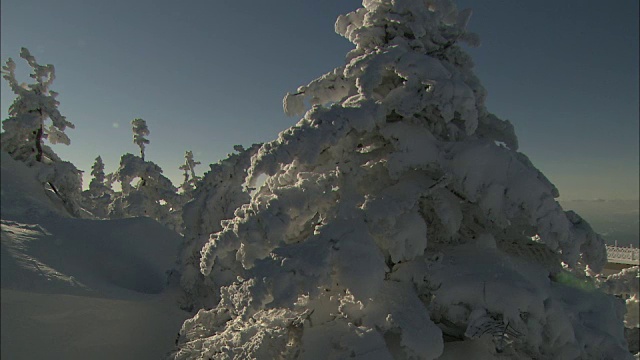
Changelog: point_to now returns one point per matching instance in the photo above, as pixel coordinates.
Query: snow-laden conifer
(97, 171)
(220, 192)
(34, 115)
(398, 220)
(140, 130)
(189, 173)
(99, 195)
(145, 191)
(33, 118)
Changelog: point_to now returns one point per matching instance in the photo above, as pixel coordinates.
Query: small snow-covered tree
(140, 130)
(27, 126)
(145, 192)
(397, 217)
(190, 178)
(98, 196)
(97, 171)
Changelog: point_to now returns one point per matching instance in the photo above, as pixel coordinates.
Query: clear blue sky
(210, 74)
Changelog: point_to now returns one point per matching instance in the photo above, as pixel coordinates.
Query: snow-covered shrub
(397, 217)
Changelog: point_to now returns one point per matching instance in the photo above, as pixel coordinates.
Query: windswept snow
(87, 257)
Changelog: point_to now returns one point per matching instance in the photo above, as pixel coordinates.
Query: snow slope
(81, 288)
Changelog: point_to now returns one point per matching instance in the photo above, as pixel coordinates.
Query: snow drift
(80, 288)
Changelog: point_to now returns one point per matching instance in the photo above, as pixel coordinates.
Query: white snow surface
(79, 288)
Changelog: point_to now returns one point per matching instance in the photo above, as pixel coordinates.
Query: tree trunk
(39, 143)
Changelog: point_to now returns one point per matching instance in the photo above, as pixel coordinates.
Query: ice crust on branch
(395, 180)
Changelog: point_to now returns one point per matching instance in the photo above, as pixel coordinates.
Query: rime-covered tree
(99, 195)
(34, 115)
(97, 171)
(397, 220)
(140, 130)
(145, 191)
(219, 193)
(625, 285)
(189, 173)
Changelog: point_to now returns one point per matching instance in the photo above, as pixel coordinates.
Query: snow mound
(81, 288)
(22, 196)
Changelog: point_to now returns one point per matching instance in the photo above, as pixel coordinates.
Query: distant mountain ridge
(615, 219)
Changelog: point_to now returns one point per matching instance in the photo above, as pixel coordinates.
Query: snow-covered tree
(218, 195)
(27, 125)
(34, 117)
(140, 130)
(626, 285)
(98, 196)
(190, 178)
(397, 220)
(97, 171)
(145, 191)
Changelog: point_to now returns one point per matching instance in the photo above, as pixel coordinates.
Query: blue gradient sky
(210, 74)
